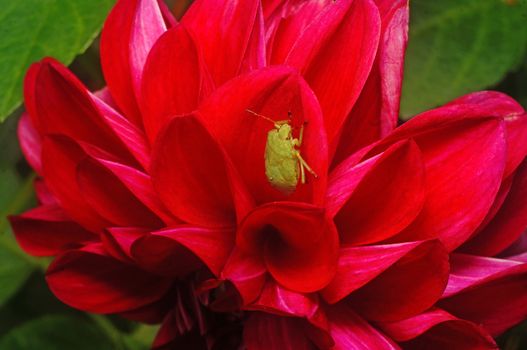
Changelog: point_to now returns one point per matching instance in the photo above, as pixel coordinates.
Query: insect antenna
(261, 116)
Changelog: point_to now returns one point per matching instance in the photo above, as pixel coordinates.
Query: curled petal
(273, 93)
(378, 206)
(140, 185)
(195, 178)
(409, 286)
(60, 158)
(437, 329)
(30, 143)
(247, 273)
(509, 222)
(347, 31)
(129, 33)
(360, 265)
(47, 231)
(298, 242)
(350, 331)
(463, 151)
(90, 280)
(223, 26)
(176, 251)
(377, 110)
(175, 80)
(500, 285)
(111, 198)
(62, 105)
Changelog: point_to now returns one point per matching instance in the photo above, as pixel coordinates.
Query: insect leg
(304, 164)
(302, 174)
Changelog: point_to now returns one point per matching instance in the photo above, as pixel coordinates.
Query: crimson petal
(273, 93)
(247, 273)
(167, 251)
(111, 198)
(378, 205)
(89, 280)
(508, 223)
(411, 285)
(436, 329)
(500, 285)
(377, 110)
(47, 231)
(30, 143)
(60, 158)
(360, 265)
(175, 79)
(347, 31)
(298, 242)
(351, 332)
(222, 26)
(125, 43)
(62, 105)
(463, 152)
(194, 177)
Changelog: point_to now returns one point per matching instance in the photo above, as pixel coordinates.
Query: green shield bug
(284, 164)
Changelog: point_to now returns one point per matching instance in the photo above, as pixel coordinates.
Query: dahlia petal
(507, 225)
(222, 26)
(500, 285)
(271, 92)
(377, 110)
(89, 280)
(30, 143)
(298, 242)
(437, 329)
(378, 206)
(264, 331)
(351, 332)
(278, 300)
(132, 28)
(163, 251)
(118, 241)
(346, 31)
(64, 106)
(47, 231)
(287, 24)
(360, 265)
(111, 198)
(140, 185)
(60, 158)
(255, 55)
(247, 273)
(415, 282)
(175, 79)
(43, 193)
(194, 177)
(498, 104)
(463, 152)
(131, 136)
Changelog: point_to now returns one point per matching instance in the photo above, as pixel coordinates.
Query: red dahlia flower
(157, 203)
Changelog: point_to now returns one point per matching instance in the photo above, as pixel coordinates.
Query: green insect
(284, 165)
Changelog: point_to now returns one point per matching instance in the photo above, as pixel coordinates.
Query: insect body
(284, 165)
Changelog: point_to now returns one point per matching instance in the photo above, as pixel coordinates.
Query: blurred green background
(456, 47)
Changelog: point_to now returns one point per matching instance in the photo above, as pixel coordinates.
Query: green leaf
(460, 46)
(33, 29)
(56, 332)
(15, 268)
